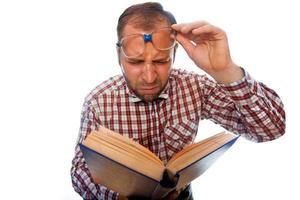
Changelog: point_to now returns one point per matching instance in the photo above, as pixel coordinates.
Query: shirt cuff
(246, 91)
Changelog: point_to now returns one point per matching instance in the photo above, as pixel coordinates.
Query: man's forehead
(130, 29)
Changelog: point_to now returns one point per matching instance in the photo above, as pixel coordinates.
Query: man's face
(148, 73)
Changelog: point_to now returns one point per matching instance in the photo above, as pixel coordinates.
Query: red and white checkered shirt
(167, 125)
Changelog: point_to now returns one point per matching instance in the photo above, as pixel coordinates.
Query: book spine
(166, 185)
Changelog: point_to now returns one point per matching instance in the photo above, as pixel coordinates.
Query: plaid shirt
(168, 124)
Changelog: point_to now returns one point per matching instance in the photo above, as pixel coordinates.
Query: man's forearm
(231, 74)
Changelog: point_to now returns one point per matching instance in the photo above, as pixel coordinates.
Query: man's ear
(174, 52)
(119, 55)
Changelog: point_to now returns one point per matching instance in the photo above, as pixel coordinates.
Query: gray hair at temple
(145, 16)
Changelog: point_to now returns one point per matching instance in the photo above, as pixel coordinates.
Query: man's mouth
(149, 90)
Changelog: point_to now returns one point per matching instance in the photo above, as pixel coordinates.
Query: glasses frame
(147, 38)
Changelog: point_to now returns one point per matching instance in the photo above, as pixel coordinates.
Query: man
(160, 107)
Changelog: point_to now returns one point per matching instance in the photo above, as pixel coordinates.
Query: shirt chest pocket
(180, 134)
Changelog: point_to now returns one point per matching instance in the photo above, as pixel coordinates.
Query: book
(132, 170)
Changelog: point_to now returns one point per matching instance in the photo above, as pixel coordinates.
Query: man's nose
(149, 73)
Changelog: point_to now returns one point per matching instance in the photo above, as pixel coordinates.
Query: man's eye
(135, 62)
(161, 62)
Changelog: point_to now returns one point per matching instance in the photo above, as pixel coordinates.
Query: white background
(52, 53)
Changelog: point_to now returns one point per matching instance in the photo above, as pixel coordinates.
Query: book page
(192, 146)
(198, 150)
(123, 141)
(118, 177)
(126, 152)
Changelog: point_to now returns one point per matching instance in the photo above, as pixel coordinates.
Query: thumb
(186, 44)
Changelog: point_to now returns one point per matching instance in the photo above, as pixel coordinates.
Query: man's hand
(207, 46)
(172, 195)
(122, 197)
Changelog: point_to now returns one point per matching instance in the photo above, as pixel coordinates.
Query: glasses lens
(164, 39)
(133, 45)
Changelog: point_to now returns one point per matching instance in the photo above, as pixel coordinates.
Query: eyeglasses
(134, 45)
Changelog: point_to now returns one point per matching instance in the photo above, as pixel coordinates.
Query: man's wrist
(231, 74)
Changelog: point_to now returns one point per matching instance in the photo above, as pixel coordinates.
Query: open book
(130, 169)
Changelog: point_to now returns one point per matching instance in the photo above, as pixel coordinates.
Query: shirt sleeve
(246, 107)
(80, 174)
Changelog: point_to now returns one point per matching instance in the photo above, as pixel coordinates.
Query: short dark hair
(145, 16)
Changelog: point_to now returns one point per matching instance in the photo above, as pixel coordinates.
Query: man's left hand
(207, 46)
